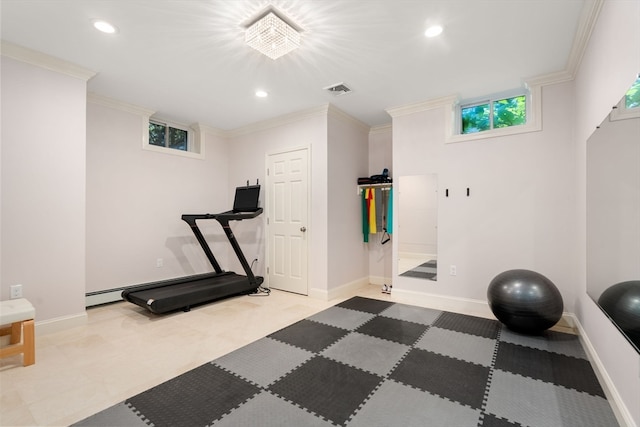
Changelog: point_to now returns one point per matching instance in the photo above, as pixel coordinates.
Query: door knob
(303, 229)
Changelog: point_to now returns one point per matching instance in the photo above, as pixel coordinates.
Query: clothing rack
(385, 186)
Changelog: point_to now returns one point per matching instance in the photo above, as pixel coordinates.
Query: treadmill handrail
(228, 215)
(223, 218)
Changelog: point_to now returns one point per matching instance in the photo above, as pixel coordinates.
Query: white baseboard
(619, 408)
(340, 292)
(379, 280)
(468, 306)
(60, 323)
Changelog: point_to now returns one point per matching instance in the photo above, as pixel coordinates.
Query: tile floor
(123, 350)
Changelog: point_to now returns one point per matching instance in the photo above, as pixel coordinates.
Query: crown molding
(588, 18)
(209, 130)
(549, 79)
(42, 60)
(321, 110)
(337, 113)
(421, 106)
(94, 98)
(386, 128)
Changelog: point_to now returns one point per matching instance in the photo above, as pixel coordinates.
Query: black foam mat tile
(491, 420)
(367, 305)
(549, 367)
(309, 335)
(394, 330)
(327, 388)
(196, 398)
(486, 328)
(444, 376)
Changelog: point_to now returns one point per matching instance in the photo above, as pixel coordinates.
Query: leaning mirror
(613, 216)
(418, 226)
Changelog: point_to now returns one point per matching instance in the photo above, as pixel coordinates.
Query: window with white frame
(629, 105)
(169, 135)
(493, 113)
(511, 112)
(632, 97)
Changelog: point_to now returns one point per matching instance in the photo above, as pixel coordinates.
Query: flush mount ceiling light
(104, 26)
(433, 31)
(272, 34)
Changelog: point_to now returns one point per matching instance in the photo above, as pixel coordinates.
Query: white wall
(521, 209)
(43, 188)
(248, 152)
(609, 66)
(347, 160)
(135, 199)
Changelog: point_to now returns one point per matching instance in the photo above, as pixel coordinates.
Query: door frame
(267, 207)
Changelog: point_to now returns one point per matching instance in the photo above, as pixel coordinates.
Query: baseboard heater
(108, 296)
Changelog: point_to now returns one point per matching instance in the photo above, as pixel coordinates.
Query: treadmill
(185, 292)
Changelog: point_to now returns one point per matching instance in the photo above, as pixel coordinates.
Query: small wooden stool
(19, 313)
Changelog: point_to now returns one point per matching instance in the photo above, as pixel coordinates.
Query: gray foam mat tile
(371, 354)
(255, 362)
(424, 316)
(552, 341)
(342, 317)
(117, 415)
(471, 348)
(267, 410)
(550, 367)
(394, 404)
(539, 404)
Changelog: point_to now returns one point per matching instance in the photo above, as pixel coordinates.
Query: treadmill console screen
(246, 199)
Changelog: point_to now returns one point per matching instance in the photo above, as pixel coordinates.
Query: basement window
(169, 135)
(493, 114)
(629, 105)
(172, 138)
(508, 113)
(632, 97)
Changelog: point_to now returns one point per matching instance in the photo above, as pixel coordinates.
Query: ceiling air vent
(338, 89)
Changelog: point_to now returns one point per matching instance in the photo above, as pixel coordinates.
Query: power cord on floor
(261, 291)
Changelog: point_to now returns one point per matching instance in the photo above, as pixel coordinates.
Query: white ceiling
(186, 59)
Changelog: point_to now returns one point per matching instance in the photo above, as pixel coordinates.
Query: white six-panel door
(287, 220)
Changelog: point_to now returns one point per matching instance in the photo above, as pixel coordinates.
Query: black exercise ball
(525, 301)
(621, 302)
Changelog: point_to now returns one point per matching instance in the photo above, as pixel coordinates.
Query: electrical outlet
(16, 291)
(159, 262)
(452, 270)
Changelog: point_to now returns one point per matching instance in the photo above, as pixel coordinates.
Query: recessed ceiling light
(261, 94)
(433, 31)
(105, 27)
